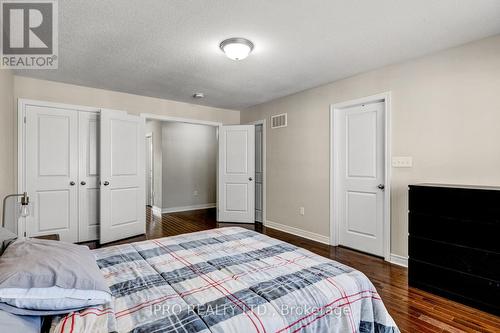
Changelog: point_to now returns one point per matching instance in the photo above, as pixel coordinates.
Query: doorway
(260, 170)
(234, 164)
(360, 203)
(259, 179)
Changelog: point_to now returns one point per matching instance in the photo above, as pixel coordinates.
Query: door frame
(21, 142)
(152, 116)
(152, 166)
(264, 167)
(218, 125)
(334, 167)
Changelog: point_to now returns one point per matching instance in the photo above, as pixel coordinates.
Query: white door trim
(334, 168)
(151, 190)
(21, 142)
(180, 120)
(264, 168)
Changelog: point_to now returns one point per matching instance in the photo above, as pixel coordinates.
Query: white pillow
(53, 298)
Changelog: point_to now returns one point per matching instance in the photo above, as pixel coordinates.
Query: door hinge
(25, 119)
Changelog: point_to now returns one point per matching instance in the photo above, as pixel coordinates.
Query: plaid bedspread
(228, 280)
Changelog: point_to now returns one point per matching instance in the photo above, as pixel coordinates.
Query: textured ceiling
(169, 48)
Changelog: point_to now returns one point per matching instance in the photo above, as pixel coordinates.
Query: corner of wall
(8, 131)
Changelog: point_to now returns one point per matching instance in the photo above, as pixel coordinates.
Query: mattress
(228, 280)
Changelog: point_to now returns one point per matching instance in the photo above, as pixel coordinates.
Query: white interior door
(51, 175)
(122, 208)
(236, 185)
(361, 171)
(88, 179)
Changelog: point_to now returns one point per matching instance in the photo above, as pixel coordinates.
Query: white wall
(445, 113)
(189, 160)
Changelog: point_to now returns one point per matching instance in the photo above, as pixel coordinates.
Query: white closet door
(236, 201)
(88, 179)
(123, 204)
(51, 171)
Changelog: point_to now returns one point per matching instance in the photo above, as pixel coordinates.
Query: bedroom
(418, 104)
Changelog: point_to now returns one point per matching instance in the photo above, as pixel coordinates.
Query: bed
(228, 280)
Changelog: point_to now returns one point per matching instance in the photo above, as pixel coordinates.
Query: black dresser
(454, 243)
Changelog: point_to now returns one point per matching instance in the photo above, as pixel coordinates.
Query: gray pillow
(6, 237)
(45, 277)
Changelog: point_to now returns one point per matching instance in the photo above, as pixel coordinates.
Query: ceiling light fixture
(236, 48)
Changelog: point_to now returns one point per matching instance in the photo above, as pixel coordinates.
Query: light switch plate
(402, 162)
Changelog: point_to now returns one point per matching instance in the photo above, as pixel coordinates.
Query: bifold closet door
(51, 152)
(88, 180)
(122, 166)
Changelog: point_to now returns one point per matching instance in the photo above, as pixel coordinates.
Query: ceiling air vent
(278, 121)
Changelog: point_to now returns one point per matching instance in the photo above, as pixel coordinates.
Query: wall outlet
(402, 162)
(195, 193)
(302, 211)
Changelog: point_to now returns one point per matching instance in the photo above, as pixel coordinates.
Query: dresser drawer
(466, 204)
(475, 291)
(478, 234)
(468, 260)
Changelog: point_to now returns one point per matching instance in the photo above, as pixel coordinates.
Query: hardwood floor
(412, 309)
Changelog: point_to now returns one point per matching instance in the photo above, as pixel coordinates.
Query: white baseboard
(188, 208)
(156, 210)
(398, 260)
(298, 232)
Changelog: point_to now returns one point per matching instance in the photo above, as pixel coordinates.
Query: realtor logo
(29, 34)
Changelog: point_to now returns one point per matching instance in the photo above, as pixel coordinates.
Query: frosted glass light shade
(236, 48)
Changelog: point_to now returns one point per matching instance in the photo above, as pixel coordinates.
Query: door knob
(72, 183)
(83, 183)
(381, 186)
(106, 183)
(250, 179)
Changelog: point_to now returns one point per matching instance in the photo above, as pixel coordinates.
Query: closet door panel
(88, 176)
(51, 148)
(123, 203)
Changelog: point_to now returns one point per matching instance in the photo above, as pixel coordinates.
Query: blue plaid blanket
(228, 280)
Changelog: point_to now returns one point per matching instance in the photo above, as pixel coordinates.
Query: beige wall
(7, 146)
(445, 113)
(71, 94)
(189, 164)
